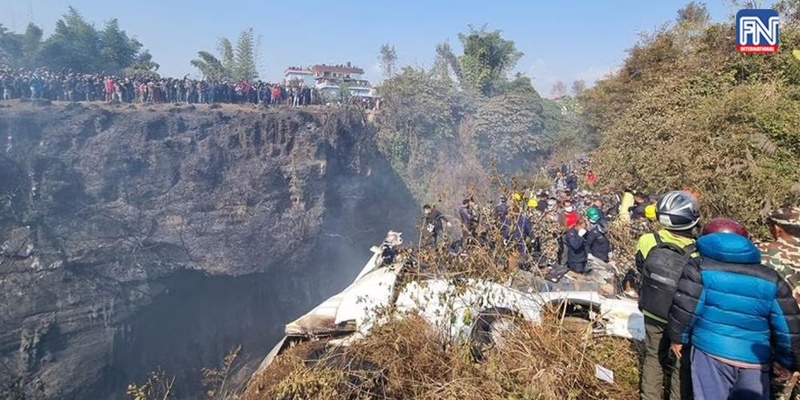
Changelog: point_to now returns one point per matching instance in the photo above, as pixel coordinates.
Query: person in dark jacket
(576, 247)
(469, 219)
(501, 210)
(542, 202)
(517, 228)
(740, 318)
(572, 182)
(597, 244)
(434, 224)
(637, 210)
(598, 205)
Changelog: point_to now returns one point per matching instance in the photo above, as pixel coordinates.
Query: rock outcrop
(119, 224)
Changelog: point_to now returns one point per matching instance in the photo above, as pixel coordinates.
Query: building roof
(339, 69)
(297, 70)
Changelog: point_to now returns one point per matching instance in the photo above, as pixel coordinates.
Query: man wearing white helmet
(660, 259)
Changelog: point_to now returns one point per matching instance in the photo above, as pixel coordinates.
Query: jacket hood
(728, 248)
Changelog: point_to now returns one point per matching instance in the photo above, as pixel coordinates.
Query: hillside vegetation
(448, 128)
(686, 108)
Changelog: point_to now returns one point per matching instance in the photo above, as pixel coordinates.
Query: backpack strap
(689, 249)
(659, 242)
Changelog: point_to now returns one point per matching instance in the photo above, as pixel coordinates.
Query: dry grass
(547, 361)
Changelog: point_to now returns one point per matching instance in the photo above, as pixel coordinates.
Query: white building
(329, 78)
(293, 74)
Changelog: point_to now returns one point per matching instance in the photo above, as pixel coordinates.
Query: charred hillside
(141, 236)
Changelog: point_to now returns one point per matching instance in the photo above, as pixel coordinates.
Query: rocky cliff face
(141, 236)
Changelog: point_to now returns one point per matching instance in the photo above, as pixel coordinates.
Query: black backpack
(660, 275)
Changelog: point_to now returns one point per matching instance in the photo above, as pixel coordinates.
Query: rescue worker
(391, 247)
(532, 203)
(469, 220)
(625, 203)
(738, 314)
(542, 200)
(434, 222)
(660, 259)
(783, 255)
(550, 234)
(597, 244)
(650, 212)
(591, 177)
(570, 216)
(598, 205)
(646, 224)
(572, 182)
(560, 183)
(517, 230)
(639, 204)
(576, 247)
(501, 209)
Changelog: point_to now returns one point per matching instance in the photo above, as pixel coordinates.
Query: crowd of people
(79, 87)
(720, 308)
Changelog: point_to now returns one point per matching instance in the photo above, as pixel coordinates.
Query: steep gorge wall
(134, 237)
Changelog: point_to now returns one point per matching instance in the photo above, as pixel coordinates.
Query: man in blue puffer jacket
(740, 317)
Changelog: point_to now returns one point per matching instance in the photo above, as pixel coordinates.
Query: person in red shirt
(570, 215)
(109, 89)
(590, 177)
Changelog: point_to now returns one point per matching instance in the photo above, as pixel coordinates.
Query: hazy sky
(562, 39)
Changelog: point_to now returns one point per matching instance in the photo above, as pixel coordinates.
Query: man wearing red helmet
(726, 225)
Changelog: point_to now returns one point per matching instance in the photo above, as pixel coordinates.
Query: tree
(75, 44)
(789, 11)
(143, 65)
(10, 47)
(246, 68)
(486, 60)
(118, 50)
(225, 49)
(30, 44)
(686, 110)
(446, 58)
(509, 127)
(559, 89)
(239, 63)
(694, 14)
(209, 66)
(578, 87)
(388, 57)
(21, 50)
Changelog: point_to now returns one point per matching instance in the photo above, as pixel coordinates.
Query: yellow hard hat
(517, 196)
(533, 202)
(650, 211)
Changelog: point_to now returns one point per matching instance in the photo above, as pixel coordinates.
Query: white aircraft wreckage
(466, 309)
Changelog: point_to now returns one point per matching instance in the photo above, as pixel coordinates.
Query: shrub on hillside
(687, 109)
